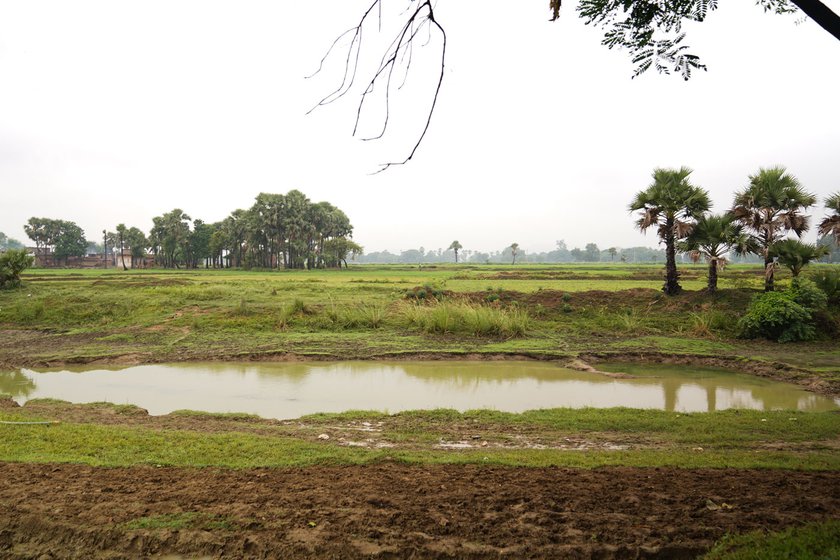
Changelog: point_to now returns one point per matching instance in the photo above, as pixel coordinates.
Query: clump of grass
(627, 321)
(369, 315)
(242, 308)
(815, 541)
(362, 315)
(299, 307)
(467, 318)
(707, 323)
(427, 291)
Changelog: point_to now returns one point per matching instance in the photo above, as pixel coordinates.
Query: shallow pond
(289, 390)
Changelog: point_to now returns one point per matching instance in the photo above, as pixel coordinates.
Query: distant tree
(169, 238)
(121, 230)
(42, 232)
(592, 252)
(65, 239)
(612, 251)
(198, 245)
(831, 224)
(137, 244)
(12, 263)
(714, 237)
(413, 256)
(9, 243)
(70, 241)
(514, 250)
(795, 255)
(671, 203)
(771, 206)
(577, 254)
(455, 246)
(336, 250)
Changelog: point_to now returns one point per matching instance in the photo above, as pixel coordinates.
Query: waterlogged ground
(290, 390)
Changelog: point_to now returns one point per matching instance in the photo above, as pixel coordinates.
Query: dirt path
(396, 511)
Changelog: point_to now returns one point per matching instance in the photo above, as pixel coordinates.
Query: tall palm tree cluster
(763, 214)
(278, 231)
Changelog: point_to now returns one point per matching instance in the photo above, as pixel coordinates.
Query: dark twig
(399, 52)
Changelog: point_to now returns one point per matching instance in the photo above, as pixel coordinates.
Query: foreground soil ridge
(396, 511)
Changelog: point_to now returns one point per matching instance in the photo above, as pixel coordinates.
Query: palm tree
(795, 255)
(514, 249)
(771, 206)
(455, 246)
(121, 231)
(672, 203)
(714, 237)
(831, 224)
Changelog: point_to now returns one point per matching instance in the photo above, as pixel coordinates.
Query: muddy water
(285, 390)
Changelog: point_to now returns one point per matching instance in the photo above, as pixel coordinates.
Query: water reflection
(16, 383)
(288, 390)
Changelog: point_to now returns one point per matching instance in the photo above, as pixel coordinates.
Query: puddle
(283, 390)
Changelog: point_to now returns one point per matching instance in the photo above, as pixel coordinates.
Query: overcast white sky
(119, 111)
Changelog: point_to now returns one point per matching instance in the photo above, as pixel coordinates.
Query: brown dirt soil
(397, 511)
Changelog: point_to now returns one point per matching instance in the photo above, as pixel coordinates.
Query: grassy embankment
(109, 435)
(540, 311)
(551, 312)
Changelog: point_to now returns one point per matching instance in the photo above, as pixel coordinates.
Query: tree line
(762, 216)
(277, 231)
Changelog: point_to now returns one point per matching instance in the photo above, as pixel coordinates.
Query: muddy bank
(396, 511)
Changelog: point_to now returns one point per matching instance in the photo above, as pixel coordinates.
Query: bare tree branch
(419, 15)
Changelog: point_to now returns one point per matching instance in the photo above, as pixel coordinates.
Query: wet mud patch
(394, 510)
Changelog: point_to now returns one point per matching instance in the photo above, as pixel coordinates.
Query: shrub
(776, 316)
(807, 294)
(828, 280)
(12, 263)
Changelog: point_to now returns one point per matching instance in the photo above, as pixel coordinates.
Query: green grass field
(540, 310)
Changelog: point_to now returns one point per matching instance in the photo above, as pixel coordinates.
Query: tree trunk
(672, 286)
(713, 275)
(769, 271)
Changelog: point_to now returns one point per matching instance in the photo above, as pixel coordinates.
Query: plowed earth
(395, 511)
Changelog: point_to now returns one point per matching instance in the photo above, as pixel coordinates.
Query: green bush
(807, 294)
(828, 280)
(12, 263)
(776, 316)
